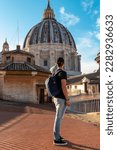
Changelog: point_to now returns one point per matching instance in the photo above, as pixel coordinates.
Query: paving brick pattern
(30, 131)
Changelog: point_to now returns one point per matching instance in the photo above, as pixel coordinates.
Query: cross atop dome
(48, 5)
(48, 13)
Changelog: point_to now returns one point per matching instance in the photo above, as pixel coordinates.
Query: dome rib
(56, 33)
(40, 31)
(71, 40)
(27, 39)
(49, 31)
(62, 38)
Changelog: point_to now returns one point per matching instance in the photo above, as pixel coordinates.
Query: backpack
(51, 85)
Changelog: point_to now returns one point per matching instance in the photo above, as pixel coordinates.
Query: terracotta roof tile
(93, 77)
(23, 67)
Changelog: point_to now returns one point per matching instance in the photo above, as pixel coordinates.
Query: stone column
(72, 62)
(52, 58)
(39, 58)
(68, 61)
(79, 63)
(76, 62)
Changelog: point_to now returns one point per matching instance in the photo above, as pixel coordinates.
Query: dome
(49, 31)
(5, 46)
(5, 43)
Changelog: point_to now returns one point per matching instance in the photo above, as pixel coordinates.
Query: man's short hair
(60, 61)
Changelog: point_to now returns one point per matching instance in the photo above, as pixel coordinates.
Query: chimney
(18, 47)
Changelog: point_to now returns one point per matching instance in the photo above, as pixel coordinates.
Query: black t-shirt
(61, 75)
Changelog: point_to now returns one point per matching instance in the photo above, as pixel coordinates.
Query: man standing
(60, 101)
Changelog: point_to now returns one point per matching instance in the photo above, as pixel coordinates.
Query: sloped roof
(18, 52)
(93, 77)
(23, 67)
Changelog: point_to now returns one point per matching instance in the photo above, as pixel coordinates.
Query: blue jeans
(60, 110)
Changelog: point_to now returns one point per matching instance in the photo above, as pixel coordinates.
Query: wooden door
(41, 95)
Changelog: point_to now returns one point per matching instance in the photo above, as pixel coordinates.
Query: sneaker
(60, 142)
(62, 138)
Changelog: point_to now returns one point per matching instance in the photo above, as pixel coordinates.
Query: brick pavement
(33, 131)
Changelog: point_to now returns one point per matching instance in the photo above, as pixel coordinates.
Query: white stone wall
(21, 87)
(51, 52)
(76, 89)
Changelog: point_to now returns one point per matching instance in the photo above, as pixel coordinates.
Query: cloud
(67, 18)
(97, 32)
(98, 22)
(88, 48)
(97, 35)
(62, 10)
(84, 42)
(95, 12)
(87, 5)
(89, 66)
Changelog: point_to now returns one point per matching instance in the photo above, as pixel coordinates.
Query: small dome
(5, 43)
(49, 31)
(5, 46)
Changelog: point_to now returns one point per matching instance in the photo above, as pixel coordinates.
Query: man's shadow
(74, 146)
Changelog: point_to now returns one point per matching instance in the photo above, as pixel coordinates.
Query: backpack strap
(59, 70)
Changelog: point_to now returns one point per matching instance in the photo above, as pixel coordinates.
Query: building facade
(20, 79)
(85, 83)
(49, 40)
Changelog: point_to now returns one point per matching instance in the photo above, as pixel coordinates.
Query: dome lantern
(48, 13)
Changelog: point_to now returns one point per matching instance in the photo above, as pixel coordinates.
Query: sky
(80, 17)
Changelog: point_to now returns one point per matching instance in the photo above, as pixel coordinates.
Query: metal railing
(86, 106)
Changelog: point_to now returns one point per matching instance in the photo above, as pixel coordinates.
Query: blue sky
(81, 17)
